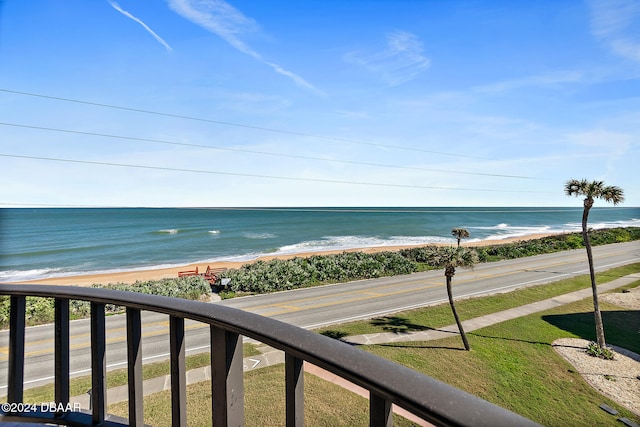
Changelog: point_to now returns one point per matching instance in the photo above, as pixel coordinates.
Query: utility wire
(287, 178)
(266, 153)
(219, 122)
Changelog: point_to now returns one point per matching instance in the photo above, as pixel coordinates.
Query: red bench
(188, 273)
(212, 275)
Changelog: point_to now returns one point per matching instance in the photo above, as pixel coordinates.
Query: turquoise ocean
(55, 242)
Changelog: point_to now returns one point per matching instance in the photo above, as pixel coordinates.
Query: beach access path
(318, 306)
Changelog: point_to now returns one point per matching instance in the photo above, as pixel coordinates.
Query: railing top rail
(426, 397)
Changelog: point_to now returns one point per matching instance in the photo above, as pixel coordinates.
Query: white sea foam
(332, 243)
(214, 231)
(259, 235)
(169, 231)
(19, 276)
(41, 274)
(506, 231)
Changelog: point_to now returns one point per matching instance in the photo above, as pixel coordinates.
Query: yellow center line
(358, 296)
(363, 295)
(288, 307)
(301, 301)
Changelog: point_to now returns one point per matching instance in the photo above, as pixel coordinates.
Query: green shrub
(187, 287)
(41, 310)
(277, 274)
(593, 349)
(556, 243)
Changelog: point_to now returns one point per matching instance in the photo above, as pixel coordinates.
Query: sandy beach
(161, 273)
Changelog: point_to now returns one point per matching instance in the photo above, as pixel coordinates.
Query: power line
(247, 175)
(225, 123)
(266, 153)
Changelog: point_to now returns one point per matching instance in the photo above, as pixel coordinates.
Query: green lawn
(511, 364)
(118, 377)
(326, 404)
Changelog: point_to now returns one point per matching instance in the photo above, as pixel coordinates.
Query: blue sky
(326, 103)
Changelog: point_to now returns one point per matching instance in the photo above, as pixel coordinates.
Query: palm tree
(452, 258)
(591, 190)
(460, 233)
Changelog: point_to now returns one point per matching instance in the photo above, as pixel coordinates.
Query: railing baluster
(387, 382)
(98, 363)
(16, 349)
(61, 350)
(294, 379)
(134, 367)
(380, 414)
(227, 382)
(178, 372)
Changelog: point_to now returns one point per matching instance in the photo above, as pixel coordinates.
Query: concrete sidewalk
(270, 356)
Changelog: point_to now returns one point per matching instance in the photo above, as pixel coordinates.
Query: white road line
(110, 366)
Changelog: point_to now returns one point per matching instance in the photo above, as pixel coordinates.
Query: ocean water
(41, 243)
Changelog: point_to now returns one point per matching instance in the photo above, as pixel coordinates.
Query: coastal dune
(162, 273)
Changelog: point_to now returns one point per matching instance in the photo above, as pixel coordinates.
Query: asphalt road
(314, 307)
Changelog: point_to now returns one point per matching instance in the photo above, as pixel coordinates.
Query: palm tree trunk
(455, 315)
(596, 306)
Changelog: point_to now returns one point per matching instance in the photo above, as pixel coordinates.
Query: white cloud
(400, 61)
(222, 19)
(616, 23)
(610, 141)
(604, 144)
(540, 80)
(117, 7)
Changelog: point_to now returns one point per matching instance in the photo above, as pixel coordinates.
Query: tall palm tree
(453, 258)
(590, 191)
(460, 233)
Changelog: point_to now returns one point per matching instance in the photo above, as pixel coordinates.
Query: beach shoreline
(172, 272)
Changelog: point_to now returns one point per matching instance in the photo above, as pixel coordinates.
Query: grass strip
(118, 377)
(440, 315)
(326, 404)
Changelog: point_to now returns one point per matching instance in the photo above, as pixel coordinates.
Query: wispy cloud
(606, 145)
(117, 7)
(540, 80)
(222, 19)
(617, 24)
(400, 61)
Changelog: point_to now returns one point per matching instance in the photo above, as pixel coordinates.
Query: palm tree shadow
(617, 325)
(398, 325)
(394, 324)
(336, 335)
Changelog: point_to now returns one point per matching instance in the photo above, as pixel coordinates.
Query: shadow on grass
(621, 328)
(393, 324)
(336, 335)
(398, 324)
